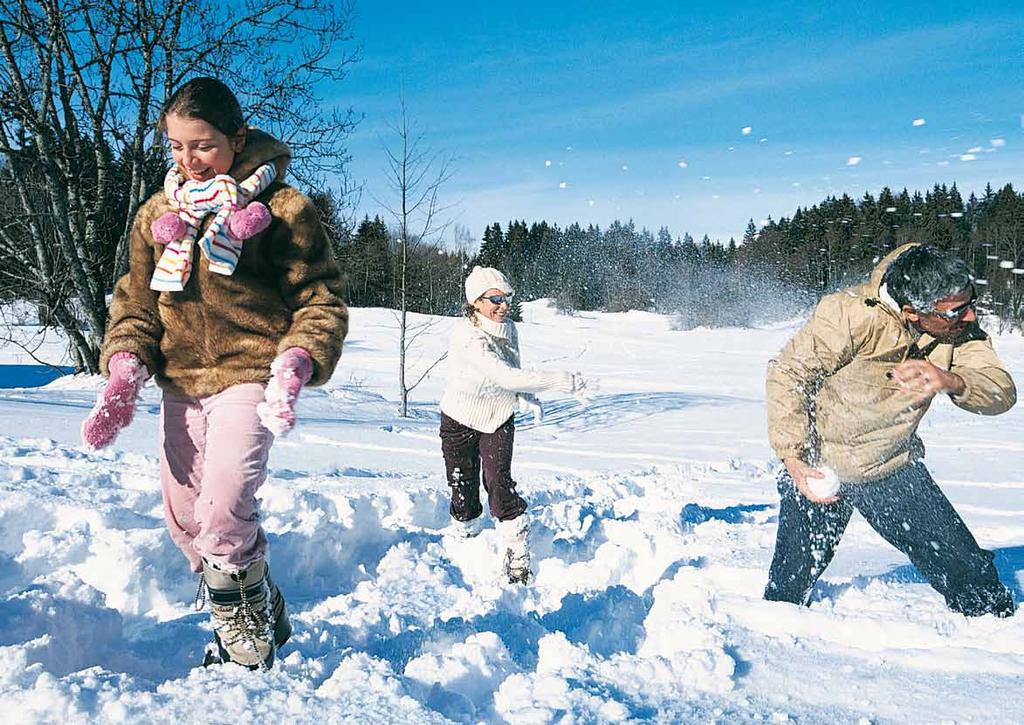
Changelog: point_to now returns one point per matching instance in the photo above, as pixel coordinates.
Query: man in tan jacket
(845, 397)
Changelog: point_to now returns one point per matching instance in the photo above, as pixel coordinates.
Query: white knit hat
(482, 279)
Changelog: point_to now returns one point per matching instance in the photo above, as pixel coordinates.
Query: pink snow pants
(213, 457)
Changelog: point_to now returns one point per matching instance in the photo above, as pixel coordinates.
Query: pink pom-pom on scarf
(249, 221)
(168, 227)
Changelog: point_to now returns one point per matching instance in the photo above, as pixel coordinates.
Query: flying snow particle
(562, 185)
(1006, 264)
(890, 209)
(956, 214)
(918, 122)
(715, 196)
(757, 191)
(998, 142)
(1017, 270)
(625, 168)
(568, 148)
(705, 178)
(548, 162)
(590, 202)
(853, 160)
(942, 163)
(788, 153)
(765, 222)
(682, 164)
(746, 130)
(967, 157)
(732, 148)
(974, 150)
(762, 139)
(795, 184)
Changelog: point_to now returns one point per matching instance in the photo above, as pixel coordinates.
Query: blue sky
(591, 111)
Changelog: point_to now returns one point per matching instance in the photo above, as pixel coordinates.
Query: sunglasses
(957, 312)
(499, 299)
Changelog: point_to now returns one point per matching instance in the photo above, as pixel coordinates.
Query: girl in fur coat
(233, 303)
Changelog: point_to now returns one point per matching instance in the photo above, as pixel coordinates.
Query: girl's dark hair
(208, 100)
(469, 311)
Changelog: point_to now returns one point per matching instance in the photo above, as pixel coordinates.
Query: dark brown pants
(466, 451)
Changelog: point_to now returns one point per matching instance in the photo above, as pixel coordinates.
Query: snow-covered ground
(654, 512)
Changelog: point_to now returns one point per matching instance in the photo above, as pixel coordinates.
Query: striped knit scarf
(192, 201)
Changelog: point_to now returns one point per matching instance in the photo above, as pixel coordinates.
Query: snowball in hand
(824, 487)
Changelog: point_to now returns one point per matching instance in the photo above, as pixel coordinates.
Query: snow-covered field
(654, 512)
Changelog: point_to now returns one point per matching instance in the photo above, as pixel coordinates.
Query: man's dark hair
(207, 99)
(922, 276)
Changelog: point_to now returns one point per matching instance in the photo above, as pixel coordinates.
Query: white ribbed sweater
(484, 377)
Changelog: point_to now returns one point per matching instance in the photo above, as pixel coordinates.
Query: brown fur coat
(225, 330)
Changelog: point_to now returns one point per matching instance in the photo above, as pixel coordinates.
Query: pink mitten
(115, 406)
(288, 373)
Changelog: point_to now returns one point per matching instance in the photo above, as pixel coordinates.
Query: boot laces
(517, 568)
(199, 603)
(251, 623)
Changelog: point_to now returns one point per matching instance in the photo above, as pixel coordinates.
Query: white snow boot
(250, 620)
(513, 537)
(462, 530)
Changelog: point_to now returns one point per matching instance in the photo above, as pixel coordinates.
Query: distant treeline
(775, 271)
(838, 241)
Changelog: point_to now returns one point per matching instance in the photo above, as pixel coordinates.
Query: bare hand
(922, 381)
(800, 472)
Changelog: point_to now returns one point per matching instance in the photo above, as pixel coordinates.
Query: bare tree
(416, 174)
(81, 85)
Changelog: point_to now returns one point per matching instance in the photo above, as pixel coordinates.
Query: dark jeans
(466, 451)
(910, 512)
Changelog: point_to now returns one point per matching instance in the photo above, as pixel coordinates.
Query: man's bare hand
(922, 381)
(800, 472)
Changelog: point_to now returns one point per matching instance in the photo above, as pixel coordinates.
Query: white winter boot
(462, 530)
(513, 537)
(250, 620)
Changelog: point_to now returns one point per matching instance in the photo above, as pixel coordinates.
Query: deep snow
(654, 517)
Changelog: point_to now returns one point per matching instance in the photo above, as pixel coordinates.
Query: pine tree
(493, 252)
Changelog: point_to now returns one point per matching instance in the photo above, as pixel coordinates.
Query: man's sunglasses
(499, 299)
(959, 311)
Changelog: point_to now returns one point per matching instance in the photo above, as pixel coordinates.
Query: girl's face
(199, 148)
(494, 312)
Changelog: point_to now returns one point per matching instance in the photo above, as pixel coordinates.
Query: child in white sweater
(485, 388)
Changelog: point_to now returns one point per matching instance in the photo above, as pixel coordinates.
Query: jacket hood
(260, 148)
(876, 275)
